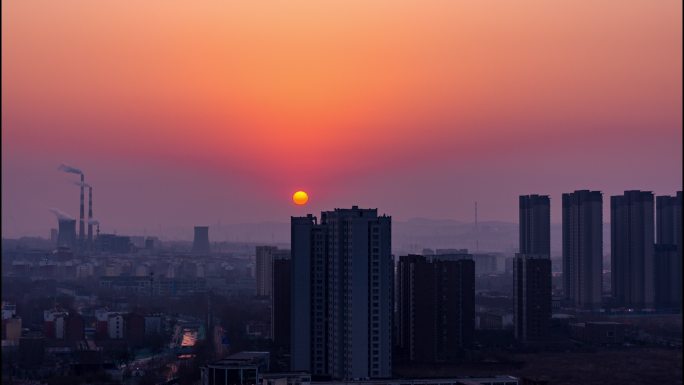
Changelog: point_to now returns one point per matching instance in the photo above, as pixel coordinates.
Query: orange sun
(300, 197)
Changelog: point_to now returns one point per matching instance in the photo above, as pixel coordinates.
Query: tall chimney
(90, 217)
(81, 225)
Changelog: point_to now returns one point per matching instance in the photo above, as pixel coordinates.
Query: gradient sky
(190, 112)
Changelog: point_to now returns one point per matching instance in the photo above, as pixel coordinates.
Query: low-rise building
(601, 333)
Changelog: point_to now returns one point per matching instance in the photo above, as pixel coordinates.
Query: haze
(191, 112)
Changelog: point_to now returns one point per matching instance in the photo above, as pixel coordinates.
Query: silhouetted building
(436, 306)
(264, 268)
(632, 236)
(669, 219)
(54, 236)
(532, 297)
(280, 300)
(67, 233)
(495, 319)
(112, 243)
(153, 324)
(583, 248)
(31, 349)
(200, 243)
(74, 327)
(149, 244)
(668, 277)
(668, 252)
(535, 225)
(532, 270)
(244, 368)
(599, 333)
(134, 328)
(486, 263)
(342, 291)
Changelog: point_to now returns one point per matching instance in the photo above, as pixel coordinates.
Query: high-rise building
(280, 299)
(436, 306)
(265, 255)
(632, 236)
(532, 270)
(532, 297)
(200, 243)
(342, 291)
(669, 220)
(668, 252)
(667, 285)
(583, 248)
(264, 266)
(535, 225)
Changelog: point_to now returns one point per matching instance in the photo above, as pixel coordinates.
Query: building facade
(435, 306)
(583, 249)
(632, 239)
(668, 252)
(265, 257)
(264, 270)
(280, 300)
(532, 270)
(342, 291)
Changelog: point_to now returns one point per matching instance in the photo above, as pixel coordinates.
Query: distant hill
(412, 235)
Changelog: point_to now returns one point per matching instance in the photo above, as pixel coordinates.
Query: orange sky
(290, 94)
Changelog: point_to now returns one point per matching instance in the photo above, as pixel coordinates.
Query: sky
(193, 112)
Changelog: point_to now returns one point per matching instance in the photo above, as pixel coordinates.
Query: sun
(300, 198)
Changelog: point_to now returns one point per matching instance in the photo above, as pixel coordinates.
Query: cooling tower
(67, 233)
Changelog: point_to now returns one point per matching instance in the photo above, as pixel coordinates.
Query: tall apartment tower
(264, 270)
(436, 306)
(200, 243)
(669, 219)
(280, 299)
(532, 270)
(583, 248)
(342, 294)
(632, 236)
(668, 252)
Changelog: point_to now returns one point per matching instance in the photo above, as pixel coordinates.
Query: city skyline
(473, 102)
(342, 192)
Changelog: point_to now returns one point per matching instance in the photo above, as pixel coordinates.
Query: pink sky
(189, 112)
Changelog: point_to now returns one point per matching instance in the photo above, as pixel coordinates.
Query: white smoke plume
(93, 222)
(60, 214)
(69, 169)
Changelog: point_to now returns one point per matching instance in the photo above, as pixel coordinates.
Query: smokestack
(81, 223)
(90, 217)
